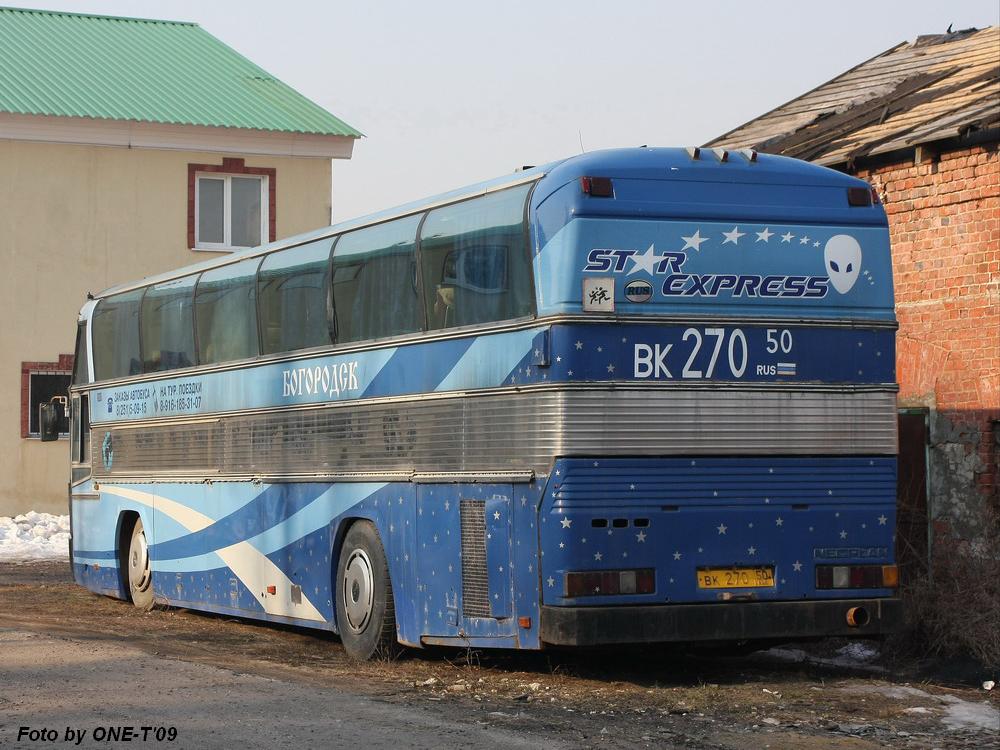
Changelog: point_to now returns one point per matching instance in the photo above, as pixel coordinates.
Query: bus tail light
(861, 196)
(598, 187)
(610, 582)
(857, 577)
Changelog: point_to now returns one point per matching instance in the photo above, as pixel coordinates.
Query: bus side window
(167, 325)
(475, 261)
(116, 336)
(291, 298)
(226, 313)
(374, 291)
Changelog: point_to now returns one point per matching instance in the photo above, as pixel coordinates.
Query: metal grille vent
(475, 583)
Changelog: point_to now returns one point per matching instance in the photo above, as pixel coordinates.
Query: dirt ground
(783, 698)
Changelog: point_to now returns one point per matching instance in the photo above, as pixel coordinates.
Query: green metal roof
(75, 65)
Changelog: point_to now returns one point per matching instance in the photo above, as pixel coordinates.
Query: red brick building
(921, 122)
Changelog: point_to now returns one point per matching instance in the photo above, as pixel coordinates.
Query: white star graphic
(570, 373)
(796, 566)
(677, 555)
(778, 521)
(600, 349)
(882, 519)
(496, 515)
(562, 545)
(611, 368)
(751, 550)
(598, 556)
(447, 505)
(645, 262)
(566, 523)
(732, 236)
(722, 528)
(843, 535)
(631, 486)
(816, 244)
(764, 236)
(641, 536)
(787, 237)
(694, 241)
(578, 345)
(804, 240)
(558, 359)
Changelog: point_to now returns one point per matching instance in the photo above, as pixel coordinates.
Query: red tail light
(598, 187)
(610, 582)
(856, 576)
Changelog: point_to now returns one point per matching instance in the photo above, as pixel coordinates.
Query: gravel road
(71, 660)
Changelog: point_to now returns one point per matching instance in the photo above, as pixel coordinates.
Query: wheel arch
(123, 536)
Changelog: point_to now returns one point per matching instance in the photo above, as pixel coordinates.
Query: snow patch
(34, 536)
(856, 651)
(958, 714)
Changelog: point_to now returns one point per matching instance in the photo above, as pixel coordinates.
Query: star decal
(641, 536)
(732, 236)
(843, 535)
(611, 368)
(816, 244)
(598, 556)
(566, 522)
(751, 551)
(804, 240)
(694, 241)
(722, 528)
(779, 521)
(645, 262)
(578, 345)
(551, 581)
(677, 555)
(882, 519)
(496, 515)
(797, 566)
(787, 237)
(764, 236)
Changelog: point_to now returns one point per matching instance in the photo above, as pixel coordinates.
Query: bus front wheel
(140, 577)
(366, 615)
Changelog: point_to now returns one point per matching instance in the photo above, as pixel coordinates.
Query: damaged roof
(935, 88)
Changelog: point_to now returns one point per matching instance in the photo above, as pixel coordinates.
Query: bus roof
(692, 165)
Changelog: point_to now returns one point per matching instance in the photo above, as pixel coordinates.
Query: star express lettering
(677, 283)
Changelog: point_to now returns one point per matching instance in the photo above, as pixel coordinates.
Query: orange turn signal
(890, 576)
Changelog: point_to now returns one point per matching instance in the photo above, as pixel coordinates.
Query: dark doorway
(911, 510)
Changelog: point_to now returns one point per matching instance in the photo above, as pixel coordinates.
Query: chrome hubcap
(138, 563)
(357, 591)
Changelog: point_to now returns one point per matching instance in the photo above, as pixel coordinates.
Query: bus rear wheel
(140, 576)
(366, 614)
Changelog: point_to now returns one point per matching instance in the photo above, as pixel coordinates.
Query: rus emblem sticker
(638, 291)
(598, 294)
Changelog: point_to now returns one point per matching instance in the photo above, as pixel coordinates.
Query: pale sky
(450, 93)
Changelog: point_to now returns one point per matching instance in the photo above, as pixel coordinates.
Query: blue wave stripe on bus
(485, 362)
(268, 509)
(417, 369)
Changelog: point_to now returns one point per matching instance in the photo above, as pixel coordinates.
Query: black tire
(138, 571)
(366, 614)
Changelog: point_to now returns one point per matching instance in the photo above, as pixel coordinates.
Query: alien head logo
(842, 258)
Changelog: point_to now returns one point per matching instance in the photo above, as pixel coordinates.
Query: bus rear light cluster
(610, 582)
(863, 196)
(598, 187)
(857, 576)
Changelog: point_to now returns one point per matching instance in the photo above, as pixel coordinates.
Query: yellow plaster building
(128, 147)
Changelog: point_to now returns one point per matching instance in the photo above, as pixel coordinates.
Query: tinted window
(226, 311)
(475, 261)
(292, 304)
(116, 336)
(81, 370)
(168, 326)
(374, 282)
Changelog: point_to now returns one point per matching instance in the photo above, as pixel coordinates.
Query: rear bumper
(730, 621)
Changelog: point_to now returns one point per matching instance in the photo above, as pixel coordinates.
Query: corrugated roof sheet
(935, 88)
(74, 65)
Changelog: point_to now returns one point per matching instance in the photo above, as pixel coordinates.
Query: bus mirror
(48, 421)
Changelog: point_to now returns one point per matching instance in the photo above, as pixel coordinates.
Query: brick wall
(944, 220)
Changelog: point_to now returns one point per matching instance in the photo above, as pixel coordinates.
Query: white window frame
(227, 207)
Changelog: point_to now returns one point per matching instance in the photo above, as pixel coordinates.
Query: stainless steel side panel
(507, 432)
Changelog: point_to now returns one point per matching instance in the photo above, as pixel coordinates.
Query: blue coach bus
(640, 395)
